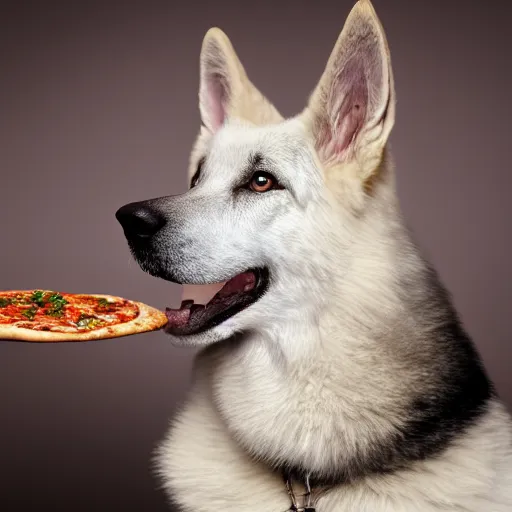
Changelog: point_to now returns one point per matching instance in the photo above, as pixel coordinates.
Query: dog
(332, 371)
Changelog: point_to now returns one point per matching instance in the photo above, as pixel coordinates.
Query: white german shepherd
(332, 359)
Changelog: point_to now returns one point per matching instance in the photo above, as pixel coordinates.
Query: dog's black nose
(139, 219)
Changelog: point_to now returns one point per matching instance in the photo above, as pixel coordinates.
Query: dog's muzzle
(140, 220)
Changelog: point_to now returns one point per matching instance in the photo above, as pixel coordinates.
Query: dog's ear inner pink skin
(353, 104)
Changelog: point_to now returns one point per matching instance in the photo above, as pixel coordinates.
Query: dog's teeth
(187, 304)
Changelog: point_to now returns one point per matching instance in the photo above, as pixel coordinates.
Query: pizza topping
(51, 311)
(89, 322)
(30, 313)
(38, 298)
(57, 302)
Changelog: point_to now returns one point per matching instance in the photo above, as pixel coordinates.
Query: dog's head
(273, 204)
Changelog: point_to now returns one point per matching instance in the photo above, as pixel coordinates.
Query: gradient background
(98, 107)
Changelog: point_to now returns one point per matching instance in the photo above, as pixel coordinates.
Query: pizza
(48, 316)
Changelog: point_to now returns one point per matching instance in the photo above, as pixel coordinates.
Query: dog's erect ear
(221, 76)
(351, 111)
(224, 87)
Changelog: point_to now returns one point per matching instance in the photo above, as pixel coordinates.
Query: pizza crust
(149, 319)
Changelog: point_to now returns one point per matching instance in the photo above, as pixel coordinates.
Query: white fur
(335, 351)
(204, 468)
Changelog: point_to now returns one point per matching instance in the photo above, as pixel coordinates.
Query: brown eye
(262, 182)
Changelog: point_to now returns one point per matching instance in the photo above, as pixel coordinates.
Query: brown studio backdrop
(99, 108)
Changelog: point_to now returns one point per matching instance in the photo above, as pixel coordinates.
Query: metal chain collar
(306, 502)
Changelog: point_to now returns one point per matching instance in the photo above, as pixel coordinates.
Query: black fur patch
(256, 160)
(435, 419)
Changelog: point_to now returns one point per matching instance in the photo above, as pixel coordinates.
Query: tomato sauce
(50, 311)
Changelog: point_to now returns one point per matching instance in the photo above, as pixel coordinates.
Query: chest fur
(204, 469)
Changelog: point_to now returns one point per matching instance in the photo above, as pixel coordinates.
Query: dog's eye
(194, 179)
(262, 182)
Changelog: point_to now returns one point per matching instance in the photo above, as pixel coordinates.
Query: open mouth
(237, 294)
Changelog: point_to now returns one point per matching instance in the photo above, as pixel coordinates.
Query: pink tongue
(177, 317)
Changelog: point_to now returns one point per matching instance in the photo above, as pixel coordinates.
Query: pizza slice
(48, 316)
